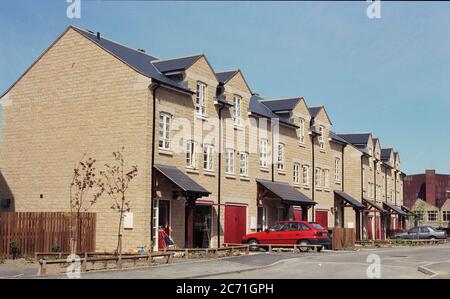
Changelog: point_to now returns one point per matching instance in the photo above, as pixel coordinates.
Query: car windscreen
(317, 226)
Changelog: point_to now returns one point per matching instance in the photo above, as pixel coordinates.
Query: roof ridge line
(178, 57)
(113, 41)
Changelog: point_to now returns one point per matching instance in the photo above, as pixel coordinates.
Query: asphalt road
(395, 262)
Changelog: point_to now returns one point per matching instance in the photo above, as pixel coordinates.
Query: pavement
(396, 262)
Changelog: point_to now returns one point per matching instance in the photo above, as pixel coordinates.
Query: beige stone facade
(79, 98)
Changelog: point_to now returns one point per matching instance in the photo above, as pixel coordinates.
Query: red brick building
(432, 187)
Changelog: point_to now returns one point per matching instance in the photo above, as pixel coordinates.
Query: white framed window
(229, 161)
(445, 215)
(326, 178)
(237, 100)
(243, 164)
(164, 130)
(263, 146)
(432, 215)
(190, 154)
(208, 150)
(296, 173)
(305, 175)
(337, 169)
(280, 156)
(317, 180)
(200, 98)
(322, 137)
(301, 130)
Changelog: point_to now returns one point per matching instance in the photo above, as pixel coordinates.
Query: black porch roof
(180, 179)
(375, 205)
(350, 200)
(395, 208)
(286, 192)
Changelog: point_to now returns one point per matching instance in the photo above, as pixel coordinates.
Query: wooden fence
(41, 231)
(343, 238)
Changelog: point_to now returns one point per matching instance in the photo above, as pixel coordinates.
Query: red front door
(370, 227)
(378, 227)
(235, 223)
(322, 218)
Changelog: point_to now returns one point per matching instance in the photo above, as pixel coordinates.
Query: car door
(424, 233)
(290, 233)
(272, 235)
(413, 233)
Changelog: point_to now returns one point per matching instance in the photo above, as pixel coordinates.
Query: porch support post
(304, 213)
(358, 224)
(190, 221)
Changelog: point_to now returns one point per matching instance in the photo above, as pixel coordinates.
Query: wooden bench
(118, 259)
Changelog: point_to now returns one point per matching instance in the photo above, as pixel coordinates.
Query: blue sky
(389, 76)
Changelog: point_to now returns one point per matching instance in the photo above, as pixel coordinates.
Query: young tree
(116, 182)
(81, 200)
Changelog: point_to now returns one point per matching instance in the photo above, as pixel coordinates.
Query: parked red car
(291, 232)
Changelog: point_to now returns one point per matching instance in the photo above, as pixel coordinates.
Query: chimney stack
(430, 181)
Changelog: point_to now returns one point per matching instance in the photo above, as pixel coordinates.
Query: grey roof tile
(223, 77)
(349, 199)
(176, 64)
(179, 178)
(281, 104)
(136, 59)
(355, 138)
(286, 192)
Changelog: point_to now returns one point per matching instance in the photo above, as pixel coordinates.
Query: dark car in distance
(422, 232)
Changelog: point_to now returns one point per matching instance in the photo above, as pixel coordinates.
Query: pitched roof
(386, 154)
(136, 59)
(179, 178)
(223, 77)
(176, 64)
(286, 104)
(336, 138)
(286, 192)
(257, 107)
(314, 110)
(356, 138)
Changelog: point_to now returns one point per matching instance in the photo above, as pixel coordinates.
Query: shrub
(56, 248)
(14, 248)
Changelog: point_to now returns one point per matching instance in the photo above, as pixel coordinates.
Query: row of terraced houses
(203, 144)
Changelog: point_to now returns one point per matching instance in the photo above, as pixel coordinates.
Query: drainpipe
(219, 176)
(313, 185)
(375, 179)
(153, 87)
(342, 167)
(395, 187)
(273, 150)
(385, 184)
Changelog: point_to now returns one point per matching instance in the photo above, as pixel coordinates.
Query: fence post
(119, 262)
(42, 268)
(270, 248)
(84, 263)
(247, 250)
(186, 253)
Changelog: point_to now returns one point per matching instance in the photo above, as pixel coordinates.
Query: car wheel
(303, 242)
(253, 243)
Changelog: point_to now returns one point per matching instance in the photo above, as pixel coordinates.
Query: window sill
(301, 144)
(337, 182)
(209, 172)
(264, 169)
(318, 189)
(297, 186)
(230, 176)
(306, 187)
(238, 127)
(282, 172)
(201, 117)
(323, 151)
(245, 178)
(166, 152)
(191, 170)
(326, 189)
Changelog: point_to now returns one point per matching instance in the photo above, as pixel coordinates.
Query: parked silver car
(422, 232)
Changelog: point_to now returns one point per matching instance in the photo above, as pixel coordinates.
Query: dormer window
(200, 99)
